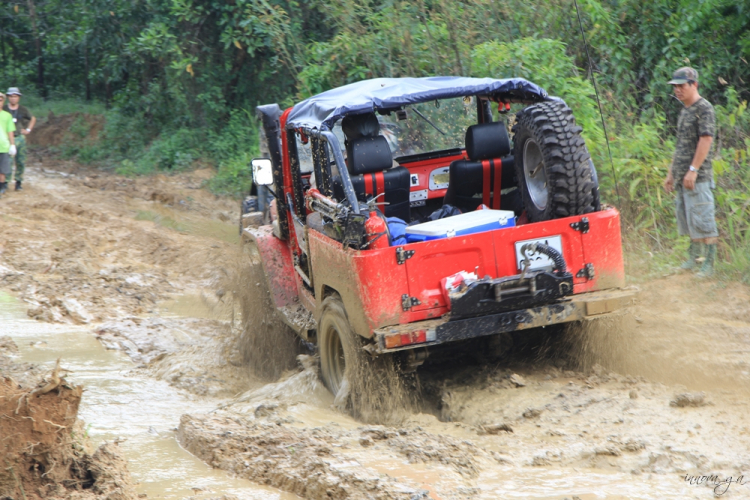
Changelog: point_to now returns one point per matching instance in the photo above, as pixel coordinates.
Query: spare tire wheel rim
(535, 174)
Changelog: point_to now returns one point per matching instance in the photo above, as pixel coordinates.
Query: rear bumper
(439, 331)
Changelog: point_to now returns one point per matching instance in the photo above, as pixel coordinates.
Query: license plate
(537, 260)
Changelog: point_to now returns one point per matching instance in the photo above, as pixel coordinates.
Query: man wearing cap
(690, 175)
(25, 122)
(7, 144)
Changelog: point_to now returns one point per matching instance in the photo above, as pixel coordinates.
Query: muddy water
(309, 405)
(141, 413)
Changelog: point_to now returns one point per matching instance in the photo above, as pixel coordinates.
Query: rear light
(416, 337)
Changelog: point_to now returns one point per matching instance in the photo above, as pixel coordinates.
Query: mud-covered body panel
(277, 265)
(373, 284)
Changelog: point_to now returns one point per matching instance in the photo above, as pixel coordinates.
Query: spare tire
(552, 163)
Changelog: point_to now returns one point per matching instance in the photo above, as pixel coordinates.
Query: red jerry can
(376, 231)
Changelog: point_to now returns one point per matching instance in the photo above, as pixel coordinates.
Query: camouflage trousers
(20, 158)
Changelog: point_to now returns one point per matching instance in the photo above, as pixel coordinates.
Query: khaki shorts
(5, 164)
(695, 211)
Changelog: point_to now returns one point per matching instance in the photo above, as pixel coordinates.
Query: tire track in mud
(300, 461)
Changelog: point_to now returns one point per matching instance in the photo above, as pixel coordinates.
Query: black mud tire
(336, 344)
(267, 345)
(369, 387)
(552, 163)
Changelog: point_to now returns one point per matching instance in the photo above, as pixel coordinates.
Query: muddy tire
(267, 344)
(336, 343)
(552, 163)
(369, 387)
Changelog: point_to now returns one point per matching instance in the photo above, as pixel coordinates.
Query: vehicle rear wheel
(370, 387)
(552, 163)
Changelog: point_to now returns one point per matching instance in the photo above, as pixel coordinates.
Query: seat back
(488, 170)
(369, 163)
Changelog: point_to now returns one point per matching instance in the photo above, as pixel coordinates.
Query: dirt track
(614, 412)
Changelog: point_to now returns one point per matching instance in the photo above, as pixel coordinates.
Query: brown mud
(44, 449)
(621, 408)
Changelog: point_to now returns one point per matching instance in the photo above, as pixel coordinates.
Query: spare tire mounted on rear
(552, 163)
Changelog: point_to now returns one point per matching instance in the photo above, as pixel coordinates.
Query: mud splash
(267, 345)
(684, 332)
(552, 418)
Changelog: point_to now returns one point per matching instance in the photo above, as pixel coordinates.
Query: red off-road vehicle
(419, 224)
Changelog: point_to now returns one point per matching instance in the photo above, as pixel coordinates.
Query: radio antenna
(598, 102)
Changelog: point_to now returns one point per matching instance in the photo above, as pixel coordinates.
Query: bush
(126, 145)
(544, 62)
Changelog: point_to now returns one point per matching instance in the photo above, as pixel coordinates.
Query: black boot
(18, 186)
(3, 187)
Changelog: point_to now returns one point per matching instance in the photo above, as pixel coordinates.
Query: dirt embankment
(56, 130)
(44, 449)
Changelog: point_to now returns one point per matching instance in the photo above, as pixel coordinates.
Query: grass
(41, 108)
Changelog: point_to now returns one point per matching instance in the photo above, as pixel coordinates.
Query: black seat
(369, 164)
(488, 170)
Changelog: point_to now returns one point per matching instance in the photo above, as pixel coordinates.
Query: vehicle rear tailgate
(591, 246)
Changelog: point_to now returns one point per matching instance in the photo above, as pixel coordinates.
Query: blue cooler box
(460, 225)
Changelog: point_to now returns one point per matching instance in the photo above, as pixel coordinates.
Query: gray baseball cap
(684, 75)
(14, 91)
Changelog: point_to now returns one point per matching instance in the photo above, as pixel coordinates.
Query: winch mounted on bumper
(489, 296)
(528, 289)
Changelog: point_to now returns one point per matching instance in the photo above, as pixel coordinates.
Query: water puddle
(141, 413)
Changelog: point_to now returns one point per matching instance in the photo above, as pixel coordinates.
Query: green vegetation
(178, 81)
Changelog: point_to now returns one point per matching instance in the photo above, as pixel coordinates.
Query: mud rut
(624, 408)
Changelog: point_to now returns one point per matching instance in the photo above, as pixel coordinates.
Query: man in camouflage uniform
(691, 169)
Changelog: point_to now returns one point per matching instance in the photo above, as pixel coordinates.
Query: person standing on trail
(7, 144)
(24, 122)
(691, 168)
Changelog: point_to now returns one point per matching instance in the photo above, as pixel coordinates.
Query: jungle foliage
(180, 78)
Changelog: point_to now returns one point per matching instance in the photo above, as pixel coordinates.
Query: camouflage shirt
(696, 121)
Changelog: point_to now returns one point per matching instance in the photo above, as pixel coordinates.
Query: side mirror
(262, 171)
